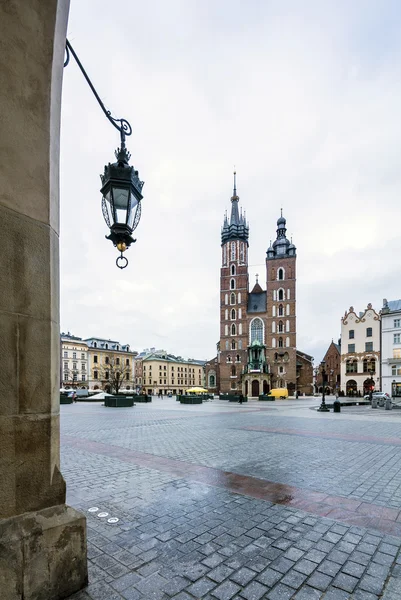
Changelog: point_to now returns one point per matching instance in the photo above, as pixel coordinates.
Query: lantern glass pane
(120, 199)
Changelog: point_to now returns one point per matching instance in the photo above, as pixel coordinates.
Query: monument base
(43, 554)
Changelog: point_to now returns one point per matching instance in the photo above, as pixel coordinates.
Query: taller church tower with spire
(233, 295)
(257, 347)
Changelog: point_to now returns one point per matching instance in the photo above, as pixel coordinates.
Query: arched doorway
(351, 388)
(368, 385)
(246, 387)
(266, 387)
(255, 388)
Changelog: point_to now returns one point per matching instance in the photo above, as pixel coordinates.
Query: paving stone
(226, 590)
(319, 581)
(308, 593)
(220, 573)
(280, 592)
(305, 566)
(201, 587)
(269, 577)
(243, 576)
(371, 584)
(282, 565)
(294, 579)
(345, 582)
(254, 591)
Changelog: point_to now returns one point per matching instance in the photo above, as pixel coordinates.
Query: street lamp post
(323, 407)
(371, 371)
(121, 187)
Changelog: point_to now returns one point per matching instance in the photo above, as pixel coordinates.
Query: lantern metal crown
(121, 187)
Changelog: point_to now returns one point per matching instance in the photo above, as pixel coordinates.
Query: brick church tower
(233, 297)
(257, 346)
(281, 314)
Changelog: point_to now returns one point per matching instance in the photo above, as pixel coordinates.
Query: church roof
(257, 302)
(257, 289)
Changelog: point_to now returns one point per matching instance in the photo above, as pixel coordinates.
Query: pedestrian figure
(241, 399)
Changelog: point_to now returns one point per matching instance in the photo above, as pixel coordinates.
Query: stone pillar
(42, 541)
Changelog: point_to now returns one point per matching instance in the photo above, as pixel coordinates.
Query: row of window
(234, 345)
(368, 347)
(179, 369)
(74, 355)
(74, 366)
(233, 298)
(281, 295)
(107, 375)
(233, 252)
(233, 329)
(352, 333)
(179, 381)
(280, 310)
(74, 377)
(280, 326)
(107, 360)
(395, 370)
(369, 364)
(237, 358)
(233, 314)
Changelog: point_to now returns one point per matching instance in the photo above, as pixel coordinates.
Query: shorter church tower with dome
(257, 348)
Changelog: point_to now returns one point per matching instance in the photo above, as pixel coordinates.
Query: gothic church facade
(257, 347)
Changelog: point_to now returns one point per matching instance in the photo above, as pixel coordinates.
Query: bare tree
(114, 372)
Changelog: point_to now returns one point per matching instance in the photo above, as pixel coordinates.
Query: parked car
(381, 397)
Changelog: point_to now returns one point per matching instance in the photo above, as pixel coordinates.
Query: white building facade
(360, 351)
(391, 347)
(74, 362)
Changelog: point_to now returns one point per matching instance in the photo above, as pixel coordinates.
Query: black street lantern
(323, 407)
(121, 202)
(121, 186)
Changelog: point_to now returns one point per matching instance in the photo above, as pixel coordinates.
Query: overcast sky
(304, 98)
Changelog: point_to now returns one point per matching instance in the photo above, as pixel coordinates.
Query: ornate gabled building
(257, 347)
(360, 351)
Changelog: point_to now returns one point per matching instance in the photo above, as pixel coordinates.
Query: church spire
(236, 228)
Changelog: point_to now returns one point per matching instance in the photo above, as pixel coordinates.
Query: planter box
(142, 398)
(267, 398)
(119, 401)
(191, 400)
(65, 400)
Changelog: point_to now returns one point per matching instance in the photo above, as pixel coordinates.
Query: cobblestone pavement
(222, 501)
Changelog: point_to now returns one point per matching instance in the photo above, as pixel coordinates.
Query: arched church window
(238, 358)
(233, 314)
(224, 254)
(280, 310)
(233, 329)
(288, 309)
(232, 284)
(212, 380)
(233, 345)
(229, 358)
(280, 327)
(232, 269)
(288, 294)
(257, 330)
(287, 342)
(281, 294)
(225, 329)
(242, 252)
(226, 314)
(240, 345)
(239, 297)
(226, 344)
(232, 250)
(273, 326)
(240, 313)
(274, 343)
(232, 299)
(273, 311)
(280, 274)
(280, 342)
(233, 371)
(274, 294)
(287, 325)
(226, 299)
(240, 329)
